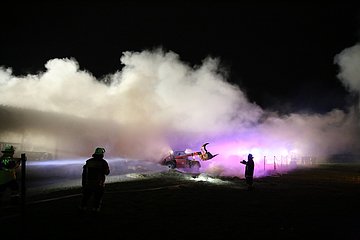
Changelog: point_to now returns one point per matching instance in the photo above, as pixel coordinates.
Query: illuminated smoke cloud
(153, 99)
(281, 138)
(349, 63)
(157, 102)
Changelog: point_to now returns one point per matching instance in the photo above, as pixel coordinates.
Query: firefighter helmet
(8, 149)
(99, 151)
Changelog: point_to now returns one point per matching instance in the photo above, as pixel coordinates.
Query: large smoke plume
(156, 102)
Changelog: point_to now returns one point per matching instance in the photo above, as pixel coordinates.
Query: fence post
(23, 183)
(274, 163)
(264, 162)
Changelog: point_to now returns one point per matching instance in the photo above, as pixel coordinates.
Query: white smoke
(349, 62)
(314, 134)
(154, 94)
(157, 101)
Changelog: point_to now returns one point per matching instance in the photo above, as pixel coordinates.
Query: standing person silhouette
(249, 171)
(8, 174)
(93, 180)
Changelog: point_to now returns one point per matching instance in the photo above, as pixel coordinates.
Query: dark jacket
(94, 171)
(8, 168)
(249, 169)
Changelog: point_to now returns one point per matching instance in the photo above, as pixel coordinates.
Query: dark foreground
(317, 203)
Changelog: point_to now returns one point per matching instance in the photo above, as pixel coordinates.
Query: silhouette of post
(23, 183)
(264, 162)
(274, 163)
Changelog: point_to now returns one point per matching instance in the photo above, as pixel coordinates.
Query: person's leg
(2, 190)
(249, 181)
(86, 195)
(14, 192)
(98, 195)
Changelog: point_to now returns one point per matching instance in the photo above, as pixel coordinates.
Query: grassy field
(320, 203)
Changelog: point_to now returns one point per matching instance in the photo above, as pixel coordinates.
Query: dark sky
(281, 54)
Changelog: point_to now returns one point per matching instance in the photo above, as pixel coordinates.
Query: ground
(316, 203)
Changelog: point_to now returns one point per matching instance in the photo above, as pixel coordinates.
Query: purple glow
(268, 156)
(156, 103)
(65, 173)
(55, 162)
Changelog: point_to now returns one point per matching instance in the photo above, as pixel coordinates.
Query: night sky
(280, 54)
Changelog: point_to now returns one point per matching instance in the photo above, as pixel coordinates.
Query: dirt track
(321, 203)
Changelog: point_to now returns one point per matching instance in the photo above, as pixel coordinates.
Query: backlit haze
(156, 102)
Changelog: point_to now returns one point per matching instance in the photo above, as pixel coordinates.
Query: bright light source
(206, 178)
(284, 152)
(187, 151)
